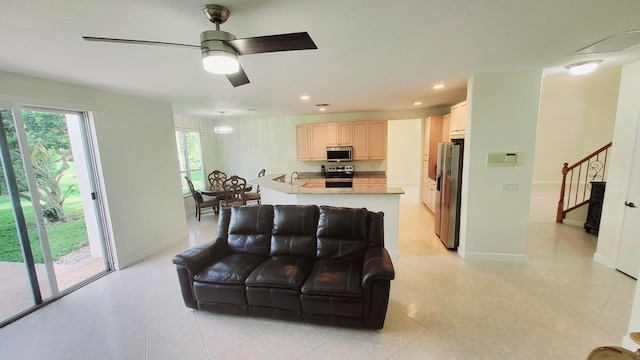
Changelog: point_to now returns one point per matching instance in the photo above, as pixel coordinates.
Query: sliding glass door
(51, 229)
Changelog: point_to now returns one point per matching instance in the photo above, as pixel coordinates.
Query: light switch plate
(509, 186)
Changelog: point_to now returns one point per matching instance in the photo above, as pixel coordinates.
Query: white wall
(577, 115)
(621, 152)
(404, 152)
(502, 112)
(628, 111)
(137, 159)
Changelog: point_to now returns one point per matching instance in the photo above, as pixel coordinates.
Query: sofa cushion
(250, 229)
(233, 269)
(342, 233)
(334, 277)
(284, 271)
(294, 230)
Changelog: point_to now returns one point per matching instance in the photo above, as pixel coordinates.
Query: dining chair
(214, 203)
(216, 179)
(234, 188)
(255, 196)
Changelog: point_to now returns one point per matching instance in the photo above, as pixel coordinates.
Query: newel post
(560, 211)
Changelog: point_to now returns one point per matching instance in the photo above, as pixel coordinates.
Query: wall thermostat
(502, 159)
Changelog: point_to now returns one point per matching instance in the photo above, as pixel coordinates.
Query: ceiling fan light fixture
(583, 67)
(220, 62)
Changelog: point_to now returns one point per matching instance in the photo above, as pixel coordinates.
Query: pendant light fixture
(222, 129)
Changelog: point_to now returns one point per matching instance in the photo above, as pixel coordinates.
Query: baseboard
(394, 254)
(152, 250)
(604, 261)
(492, 256)
(573, 222)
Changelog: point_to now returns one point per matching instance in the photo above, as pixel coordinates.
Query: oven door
(338, 182)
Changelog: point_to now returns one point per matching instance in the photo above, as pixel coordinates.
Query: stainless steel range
(338, 176)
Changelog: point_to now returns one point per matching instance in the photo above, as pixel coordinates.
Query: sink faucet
(294, 175)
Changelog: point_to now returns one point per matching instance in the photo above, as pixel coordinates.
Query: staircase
(575, 189)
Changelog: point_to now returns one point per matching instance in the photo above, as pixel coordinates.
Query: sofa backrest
(301, 230)
(250, 229)
(294, 230)
(342, 233)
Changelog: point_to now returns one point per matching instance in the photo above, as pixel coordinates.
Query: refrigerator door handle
(438, 180)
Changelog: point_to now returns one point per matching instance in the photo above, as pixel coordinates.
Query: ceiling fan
(220, 49)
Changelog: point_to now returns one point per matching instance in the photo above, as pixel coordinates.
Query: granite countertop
(367, 174)
(268, 181)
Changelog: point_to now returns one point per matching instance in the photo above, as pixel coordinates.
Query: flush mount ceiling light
(304, 97)
(583, 67)
(222, 129)
(438, 86)
(417, 103)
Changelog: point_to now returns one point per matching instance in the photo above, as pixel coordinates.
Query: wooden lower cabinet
(369, 182)
(314, 183)
(429, 193)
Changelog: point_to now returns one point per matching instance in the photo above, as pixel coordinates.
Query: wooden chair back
(234, 189)
(216, 179)
(196, 195)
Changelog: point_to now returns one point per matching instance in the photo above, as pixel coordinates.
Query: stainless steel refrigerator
(448, 187)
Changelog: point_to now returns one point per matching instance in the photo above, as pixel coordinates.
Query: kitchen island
(274, 190)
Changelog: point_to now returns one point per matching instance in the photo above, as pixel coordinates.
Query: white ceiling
(372, 54)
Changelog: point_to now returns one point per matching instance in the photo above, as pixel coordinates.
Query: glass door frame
(88, 147)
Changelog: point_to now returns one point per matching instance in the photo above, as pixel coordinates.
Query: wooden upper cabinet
(370, 140)
(318, 146)
(377, 140)
(446, 124)
(458, 123)
(360, 141)
(338, 134)
(303, 142)
(310, 143)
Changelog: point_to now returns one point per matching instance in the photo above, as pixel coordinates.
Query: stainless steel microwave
(339, 153)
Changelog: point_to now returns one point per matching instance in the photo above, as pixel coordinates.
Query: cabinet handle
(630, 204)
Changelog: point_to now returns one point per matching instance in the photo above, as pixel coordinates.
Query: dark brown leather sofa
(318, 264)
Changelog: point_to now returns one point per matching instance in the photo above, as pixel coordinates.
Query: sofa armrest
(377, 266)
(198, 257)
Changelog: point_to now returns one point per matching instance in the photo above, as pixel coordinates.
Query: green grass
(64, 237)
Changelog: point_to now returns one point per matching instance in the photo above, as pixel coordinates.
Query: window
(190, 159)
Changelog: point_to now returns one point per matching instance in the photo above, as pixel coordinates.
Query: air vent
(620, 42)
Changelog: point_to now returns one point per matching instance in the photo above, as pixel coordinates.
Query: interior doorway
(629, 256)
(51, 233)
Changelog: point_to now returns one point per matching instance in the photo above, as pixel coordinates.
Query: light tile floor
(559, 304)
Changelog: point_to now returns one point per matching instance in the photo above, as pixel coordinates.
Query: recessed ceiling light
(304, 97)
(583, 67)
(417, 103)
(438, 86)
(322, 109)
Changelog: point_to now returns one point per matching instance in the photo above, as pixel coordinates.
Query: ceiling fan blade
(271, 43)
(239, 78)
(137, 42)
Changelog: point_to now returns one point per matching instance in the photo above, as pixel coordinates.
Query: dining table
(219, 191)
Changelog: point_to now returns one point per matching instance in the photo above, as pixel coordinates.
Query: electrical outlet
(509, 186)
